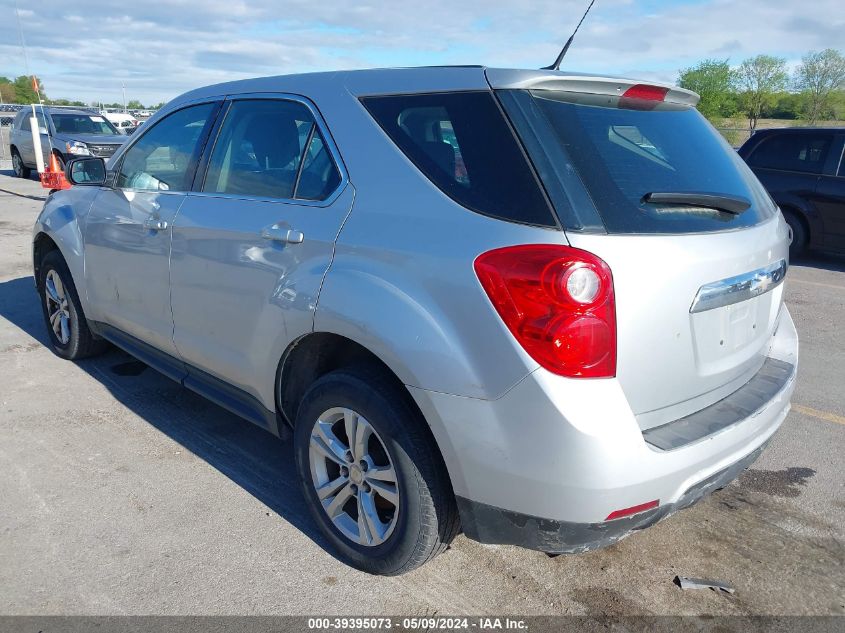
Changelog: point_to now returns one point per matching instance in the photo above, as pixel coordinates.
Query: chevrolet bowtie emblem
(736, 289)
(760, 284)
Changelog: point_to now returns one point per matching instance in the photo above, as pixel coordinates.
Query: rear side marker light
(646, 92)
(558, 303)
(618, 514)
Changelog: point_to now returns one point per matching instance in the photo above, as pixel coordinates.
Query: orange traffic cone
(54, 177)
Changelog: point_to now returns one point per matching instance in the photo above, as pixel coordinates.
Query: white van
(126, 123)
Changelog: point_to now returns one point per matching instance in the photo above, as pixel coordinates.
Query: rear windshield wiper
(718, 201)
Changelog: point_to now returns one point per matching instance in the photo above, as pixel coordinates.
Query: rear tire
(420, 520)
(21, 170)
(799, 235)
(67, 327)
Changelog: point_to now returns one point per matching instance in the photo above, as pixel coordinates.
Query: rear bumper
(489, 524)
(545, 464)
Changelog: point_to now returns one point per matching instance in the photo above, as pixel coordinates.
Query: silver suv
(542, 308)
(65, 132)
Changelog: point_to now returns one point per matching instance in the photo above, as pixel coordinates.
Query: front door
(129, 227)
(251, 246)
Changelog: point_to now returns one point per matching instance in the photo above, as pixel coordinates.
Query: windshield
(82, 124)
(600, 157)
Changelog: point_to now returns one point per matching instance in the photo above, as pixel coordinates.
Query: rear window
(600, 156)
(462, 143)
(792, 152)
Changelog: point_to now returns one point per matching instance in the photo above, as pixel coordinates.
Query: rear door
(697, 288)
(251, 244)
(21, 138)
(24, 138)
(789, 164)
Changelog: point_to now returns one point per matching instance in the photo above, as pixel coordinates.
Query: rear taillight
(558, 302)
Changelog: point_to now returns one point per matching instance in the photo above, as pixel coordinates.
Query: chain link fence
(8, 111)
(5, 156)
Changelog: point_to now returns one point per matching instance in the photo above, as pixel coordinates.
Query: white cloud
(87, 49)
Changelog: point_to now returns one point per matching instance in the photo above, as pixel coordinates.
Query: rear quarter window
(463, 144)
(792, 152)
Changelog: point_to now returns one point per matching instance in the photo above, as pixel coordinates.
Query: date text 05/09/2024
(416, 623)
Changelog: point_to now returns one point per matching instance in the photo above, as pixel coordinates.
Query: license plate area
(735, 335)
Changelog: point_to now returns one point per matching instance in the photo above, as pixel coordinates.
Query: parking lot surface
(123, 493)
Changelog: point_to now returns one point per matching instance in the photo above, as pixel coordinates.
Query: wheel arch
(41, 245)
(805, 214)
(318, 353)
(803, 218)
(315, 354)
(58, 226)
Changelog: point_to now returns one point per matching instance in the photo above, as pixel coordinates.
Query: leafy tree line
(20, 90)
(762, 87)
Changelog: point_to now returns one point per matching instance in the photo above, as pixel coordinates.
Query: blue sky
(86, 50)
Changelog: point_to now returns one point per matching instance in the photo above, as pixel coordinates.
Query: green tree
(24, 92)
(818, 76)
(134, 105)
(837, 105)
(757, 80)
(7, 90)
(785, 105)
(711, 79)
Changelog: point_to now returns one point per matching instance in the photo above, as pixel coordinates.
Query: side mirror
(86, 171)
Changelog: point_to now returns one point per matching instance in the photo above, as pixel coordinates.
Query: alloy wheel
(354, 477)
(58, 310)
(17, 164)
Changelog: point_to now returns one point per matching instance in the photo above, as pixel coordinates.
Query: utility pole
(124, 97)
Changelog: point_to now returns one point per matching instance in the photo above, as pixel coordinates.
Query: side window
(462, 143)
(270, 149)
(164, 157)
(25, 121)
(792, 152)
(319, 176)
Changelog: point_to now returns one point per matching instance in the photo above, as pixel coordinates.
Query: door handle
(155, 224)
(281, 234)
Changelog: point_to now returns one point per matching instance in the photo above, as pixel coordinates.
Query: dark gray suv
(73, 132)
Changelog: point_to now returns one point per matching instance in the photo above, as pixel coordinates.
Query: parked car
(72, 133)
(804, 171)
(553, 342)
(123, 121)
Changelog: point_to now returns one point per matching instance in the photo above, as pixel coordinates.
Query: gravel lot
(123, 493)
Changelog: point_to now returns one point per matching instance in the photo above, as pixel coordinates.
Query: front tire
(371, 473)
(70, 336)
(798, 246)
(21, 170)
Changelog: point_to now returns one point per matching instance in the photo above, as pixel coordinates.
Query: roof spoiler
(575, 82)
